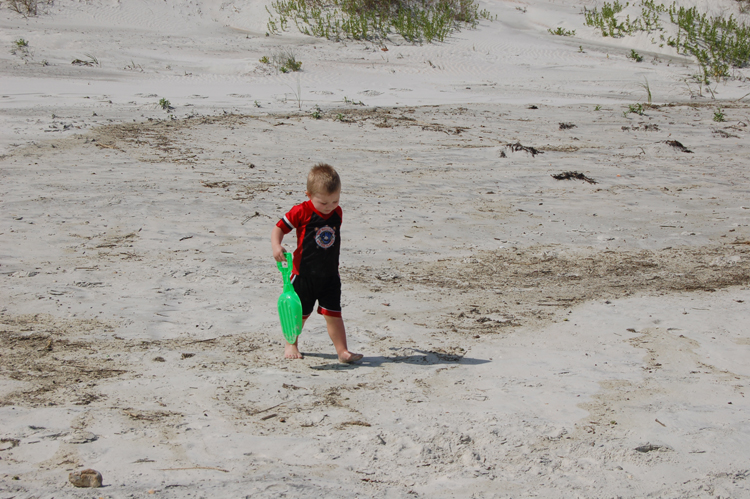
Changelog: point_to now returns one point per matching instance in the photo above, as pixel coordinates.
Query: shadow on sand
(416, 357)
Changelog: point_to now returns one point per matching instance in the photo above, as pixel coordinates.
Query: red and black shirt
(318, 239)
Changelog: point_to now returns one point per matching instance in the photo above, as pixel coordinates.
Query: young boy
(315, 274)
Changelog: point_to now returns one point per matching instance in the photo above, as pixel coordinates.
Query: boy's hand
(279, 254)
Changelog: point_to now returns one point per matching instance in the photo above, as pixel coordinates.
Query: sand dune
(524, 335)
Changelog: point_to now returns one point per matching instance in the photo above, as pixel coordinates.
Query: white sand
(523, 335)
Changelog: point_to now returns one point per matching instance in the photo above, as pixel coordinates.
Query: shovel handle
(286, 271)
(285, 264)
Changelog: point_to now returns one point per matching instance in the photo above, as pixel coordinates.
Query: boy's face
(325, 203)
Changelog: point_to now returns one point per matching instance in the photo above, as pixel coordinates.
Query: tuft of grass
(645, 86)
(165, 104)
(719, 116)
(286, 61)
(91, 61)
(356, 103)
(605, 19)
(133, 66)
(415, 20)
(635, 56)
(264, 60)
(316, 114)
(21, 48)
(634, 108)
(597, 108)
(297, 93)
(562, 32)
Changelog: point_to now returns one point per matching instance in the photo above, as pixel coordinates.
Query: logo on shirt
(325, 237)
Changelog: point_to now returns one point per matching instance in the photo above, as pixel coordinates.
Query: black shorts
(325, 290)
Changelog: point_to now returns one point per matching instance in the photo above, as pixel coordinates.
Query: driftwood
(195, 468)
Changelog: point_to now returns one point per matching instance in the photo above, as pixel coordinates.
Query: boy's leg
(337, 332)
(292, 351)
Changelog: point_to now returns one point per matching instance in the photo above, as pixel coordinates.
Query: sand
(523, 335)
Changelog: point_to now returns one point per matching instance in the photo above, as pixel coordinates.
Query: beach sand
(523, 335)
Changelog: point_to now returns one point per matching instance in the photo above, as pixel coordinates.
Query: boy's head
(323, 188)
(323, 179)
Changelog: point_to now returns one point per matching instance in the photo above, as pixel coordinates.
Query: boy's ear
(307, 193)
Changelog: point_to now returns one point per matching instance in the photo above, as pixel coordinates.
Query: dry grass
(27, 8)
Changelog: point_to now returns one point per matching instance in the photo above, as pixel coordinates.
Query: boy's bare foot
(348, 357)
(292, 352)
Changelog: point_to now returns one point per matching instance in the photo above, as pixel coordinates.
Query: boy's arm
(277, 235)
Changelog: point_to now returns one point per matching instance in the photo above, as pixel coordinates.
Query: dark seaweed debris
(647, 127)
(519, 147)
(652, 447)
(567, 126)
(573, 175)
(679, 146)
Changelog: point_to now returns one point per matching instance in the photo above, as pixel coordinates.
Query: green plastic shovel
(290, 308)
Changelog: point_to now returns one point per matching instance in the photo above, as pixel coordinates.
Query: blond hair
(323, 179)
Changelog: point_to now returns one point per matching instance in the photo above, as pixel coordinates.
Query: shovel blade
(290, 314)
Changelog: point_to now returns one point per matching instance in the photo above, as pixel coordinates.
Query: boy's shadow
(420, 357)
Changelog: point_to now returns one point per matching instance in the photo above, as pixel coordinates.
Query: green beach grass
(416, 21)
(717, 42)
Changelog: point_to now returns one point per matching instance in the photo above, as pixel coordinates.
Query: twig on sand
(266, 410)
(195, 468)
(250, 217)
(202, 341)
(355, 423)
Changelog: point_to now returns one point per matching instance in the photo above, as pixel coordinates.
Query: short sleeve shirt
(318, 239)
